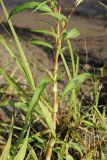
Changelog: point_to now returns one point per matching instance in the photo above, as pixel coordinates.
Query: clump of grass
(45, 133)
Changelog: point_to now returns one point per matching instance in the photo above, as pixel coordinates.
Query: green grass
(48, 131)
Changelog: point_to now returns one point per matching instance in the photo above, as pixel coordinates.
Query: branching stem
(55, 87)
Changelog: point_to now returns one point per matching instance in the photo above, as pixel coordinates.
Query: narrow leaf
(15, 57)
(34, 101)
(41, 43)
(44, 32)
(101, 118)
(29, 77)
(22, 152)
(43, 7)
(64, 62)
(11, 82)
(73, 33)
(75, 83)
(69, 157)
(5, 153)
(58, 16)
(32, 153)
(48, 116)
(76, 147)
(23, 7)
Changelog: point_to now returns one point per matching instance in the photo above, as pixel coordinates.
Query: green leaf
(30, 5)
(43, 7)
(5, 153)
(12, 83)
(21, 105)
(69, 157)
(22, 152)
(88, 123)
(19, 61)
(58, 16)
(31, 154)
(35, 137)
(103, 156)
(64, 62)
(26, 67)
(44, 32)
(75, 83)
(41, 43)
(48, 116)
(39, 89)
(34, 101)
(73, 33)
(76, 147)
(101, 118)
(23, 7)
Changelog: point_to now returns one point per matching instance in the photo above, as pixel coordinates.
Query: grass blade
(34, 101)
(29, 77)
(12, 83)
(22, 152)
(13, 55)
(5, 153)
(32, 153)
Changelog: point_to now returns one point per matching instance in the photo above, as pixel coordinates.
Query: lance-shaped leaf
(30, 5)
(29, 77)
(101, 118)
(58, 16)
(32, 153)
(75, 83)
(69, 157)
(15, 57)
(43, 7)
(76, 147)
(6, 151)
(12, 83)
(41, 43)
(39, 89)
(34, 101)
(44, 32)
(73, 33)
(23, 7)
(48, 116)
(22, 152)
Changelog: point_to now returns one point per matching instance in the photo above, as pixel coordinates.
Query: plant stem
(55, 88)
(55, 91)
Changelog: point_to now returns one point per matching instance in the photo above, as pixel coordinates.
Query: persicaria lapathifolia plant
(60, 34)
